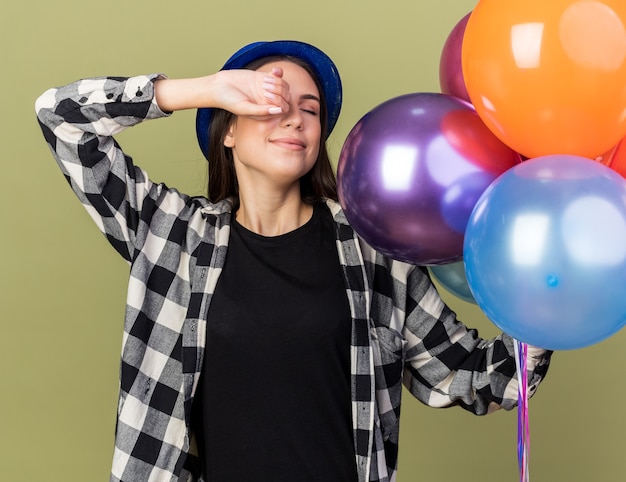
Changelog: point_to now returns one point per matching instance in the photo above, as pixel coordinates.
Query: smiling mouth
(289, 143)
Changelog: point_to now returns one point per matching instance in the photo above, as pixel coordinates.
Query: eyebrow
(311, 97)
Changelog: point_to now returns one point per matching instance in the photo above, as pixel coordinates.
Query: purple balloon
(451, 78)
(411, 171)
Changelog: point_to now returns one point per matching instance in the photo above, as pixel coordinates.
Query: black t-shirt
(275, 388)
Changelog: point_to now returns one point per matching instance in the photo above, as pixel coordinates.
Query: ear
(229, 137)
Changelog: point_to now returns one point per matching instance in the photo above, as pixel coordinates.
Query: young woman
(264, 340)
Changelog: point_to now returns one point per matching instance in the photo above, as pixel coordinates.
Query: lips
(291, 143)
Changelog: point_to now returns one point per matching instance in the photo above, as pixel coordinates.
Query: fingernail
(275, 110)
(269, 95)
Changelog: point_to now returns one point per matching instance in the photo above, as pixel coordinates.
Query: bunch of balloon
(545, 252)
(548, 77)
(411, 171)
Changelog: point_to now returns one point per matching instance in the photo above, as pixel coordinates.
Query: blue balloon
(545, 252)
(452, 277)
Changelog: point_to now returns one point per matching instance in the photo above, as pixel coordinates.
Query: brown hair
(315, 185)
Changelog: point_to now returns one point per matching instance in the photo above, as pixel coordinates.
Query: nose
(293, 117)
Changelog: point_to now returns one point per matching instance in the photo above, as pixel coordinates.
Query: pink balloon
(451, 78)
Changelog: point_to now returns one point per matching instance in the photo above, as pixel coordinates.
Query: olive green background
(63, 288)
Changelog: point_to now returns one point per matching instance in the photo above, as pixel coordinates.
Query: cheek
(315, 133)
(248, 128)
(314, 153)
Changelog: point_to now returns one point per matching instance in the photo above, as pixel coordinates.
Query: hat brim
(322, 65)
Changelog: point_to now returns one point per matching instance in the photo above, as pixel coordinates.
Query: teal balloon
(545, 252)
(452, 277)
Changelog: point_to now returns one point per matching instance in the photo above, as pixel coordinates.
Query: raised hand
(242, 92)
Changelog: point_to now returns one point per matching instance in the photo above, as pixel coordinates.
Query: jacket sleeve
(78, 122)
(448, 364)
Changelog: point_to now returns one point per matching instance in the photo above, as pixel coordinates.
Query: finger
(261, 110)
(277, 93)
(277, 71)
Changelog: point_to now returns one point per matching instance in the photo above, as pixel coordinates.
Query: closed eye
(307, 102)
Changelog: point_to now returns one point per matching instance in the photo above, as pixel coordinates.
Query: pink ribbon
(523, 427)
